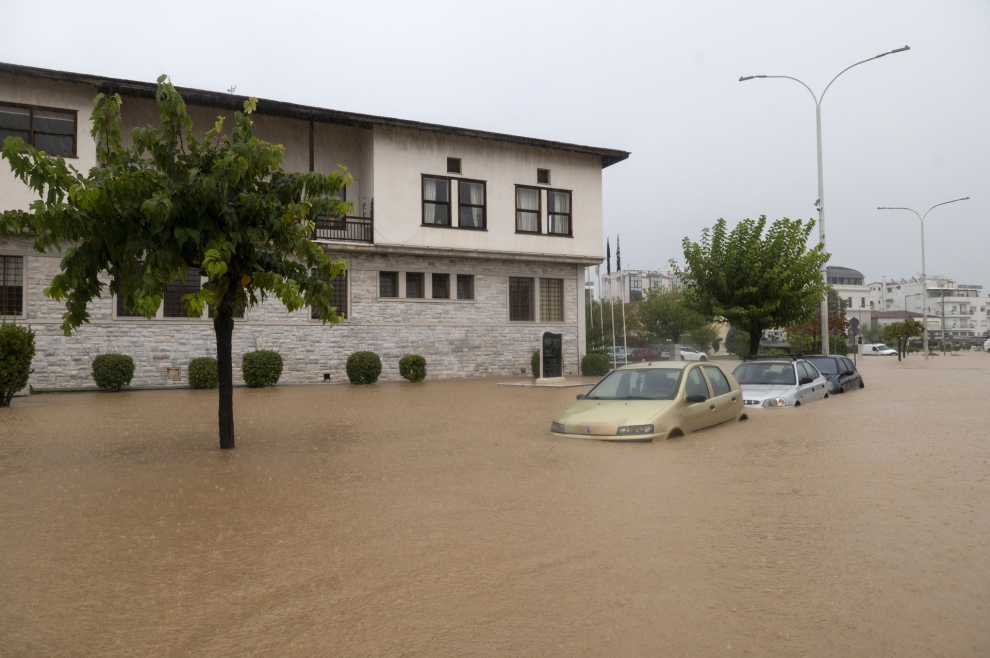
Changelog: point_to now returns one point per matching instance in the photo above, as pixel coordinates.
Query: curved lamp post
(924, 284)
(821, 178)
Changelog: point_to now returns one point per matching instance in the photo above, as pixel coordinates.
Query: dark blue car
(839, 371)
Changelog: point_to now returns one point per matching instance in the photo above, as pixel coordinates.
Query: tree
(806, 338)
(755, 281)
(900, 332)
(168, 202)
(705, 336)
(737, 342)
(666, 315)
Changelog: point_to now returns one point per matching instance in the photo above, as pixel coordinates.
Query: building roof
(846, 272)
(278, 108)
(894, 315)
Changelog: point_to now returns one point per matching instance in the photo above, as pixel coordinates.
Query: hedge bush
(261, 368)
(16, 353)
(594, 365)
(111, 371)
(363, 368)
(203, 373)
(413, 367)
(534, 363)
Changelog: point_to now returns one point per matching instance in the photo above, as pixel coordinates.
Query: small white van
(876, 349)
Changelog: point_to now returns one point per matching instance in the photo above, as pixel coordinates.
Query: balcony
(345, 229)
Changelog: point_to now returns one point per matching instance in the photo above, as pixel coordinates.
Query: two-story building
(464, 246)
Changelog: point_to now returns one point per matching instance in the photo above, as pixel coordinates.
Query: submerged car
(649, 401)
(840, 372)
(780, 382)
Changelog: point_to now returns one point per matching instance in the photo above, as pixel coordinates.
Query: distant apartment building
(855, 294)
(634, 285)
(966, 312)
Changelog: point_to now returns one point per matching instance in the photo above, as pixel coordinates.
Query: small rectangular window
(465, 286)
(656, 282)
(436, 201)
(551, 300)
(543, 176)
(12, 285)
(471, 204)
(49, 130)
(415, 285)
(453, 165)
(338, 298)
(388, 284)
(558, 212)
(520, 299)
(175, 306)
(441, 286)
(635, 288)
(527, 209)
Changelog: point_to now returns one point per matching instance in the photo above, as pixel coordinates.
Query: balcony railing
(347, 229)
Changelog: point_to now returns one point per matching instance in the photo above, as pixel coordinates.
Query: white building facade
(464, 245)
(965, 308)
(634, 285)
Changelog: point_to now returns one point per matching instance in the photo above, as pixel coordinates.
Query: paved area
(442, 519)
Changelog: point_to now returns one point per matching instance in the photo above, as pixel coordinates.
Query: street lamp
(924, 284)
(821, 178)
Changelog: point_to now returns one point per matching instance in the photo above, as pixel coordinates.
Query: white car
(691, 354)
(877, 349)
(986, 344)
(780, 382)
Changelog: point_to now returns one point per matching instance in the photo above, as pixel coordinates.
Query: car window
(804, 370)
(824, 365)
(696, 384)
(765, 373)
(720, 385)
(813, 371)
(847, 365)
(638, 384)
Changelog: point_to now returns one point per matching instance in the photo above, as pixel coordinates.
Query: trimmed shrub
(203, 373)
(16, 353)
(111, 371)
(534, 363)
(412, 367)
(594, 365)
(261, 368)
(363, 368)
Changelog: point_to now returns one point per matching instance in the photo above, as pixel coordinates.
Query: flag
(608, 257)
(618, 256)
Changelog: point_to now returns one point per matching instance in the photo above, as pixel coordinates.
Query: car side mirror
(805, 380)
(580, 396)
(695, 399)
(848, 372)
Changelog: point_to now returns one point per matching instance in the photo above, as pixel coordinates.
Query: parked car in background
(986, 345)
(876, 349)
(840, 372)
(691, 354)
(616, 354)
(643, 354)
(779, 382)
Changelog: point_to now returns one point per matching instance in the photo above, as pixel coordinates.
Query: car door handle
(733, 398)
(711, 406)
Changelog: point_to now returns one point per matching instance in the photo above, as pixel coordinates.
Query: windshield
(638, 384)
(825, 366)
(765, 373)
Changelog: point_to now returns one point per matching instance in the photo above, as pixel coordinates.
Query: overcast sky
(659, 79)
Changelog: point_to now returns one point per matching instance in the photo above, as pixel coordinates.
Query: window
(441, 286)
(465, 286)
(696, 384)
(11, 285)
(388, 284)
(720, 385)
(527, 209)
(551, 300)
(558, 212)
(543, 176)
(453, 165)
(471, 204)
(862, 302)
(520, 299)
(338, 298)
(436, 201)
(49, 130)
(656, 282)
(415, 285)
(635, 288)
(175, 307)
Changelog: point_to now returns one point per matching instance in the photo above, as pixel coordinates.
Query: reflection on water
(443, 519)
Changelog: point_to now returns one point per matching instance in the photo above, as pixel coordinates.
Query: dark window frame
(470, 277)
(433, 284)
(422, 284)
(570, 215)
(18, 298)
(539, 209)
(396, 295)
(547, 181)
(483, 206)
(184, 287)
(552, 297)
(532, 311)
(448, 202)
(460, 168)
(341, 278)
(45, 108)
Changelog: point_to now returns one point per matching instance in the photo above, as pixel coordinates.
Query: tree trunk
(754, 342)
(223, 326)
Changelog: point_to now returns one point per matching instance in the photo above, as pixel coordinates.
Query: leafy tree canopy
(756, 281)
(665, 314)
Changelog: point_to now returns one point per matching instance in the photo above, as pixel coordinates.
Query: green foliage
(755, 281)
(666, 315)
(898, 333)
(363, 368)
(111, 371)
(803, 344)
(594, 365)
(534, 363)
(777, 351)
(705, 337)
(261, 368)
(737, 342)
(413, 367)
(16, 354)
(203, 373)
(599, 323)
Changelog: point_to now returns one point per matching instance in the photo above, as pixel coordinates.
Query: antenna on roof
(231, 89)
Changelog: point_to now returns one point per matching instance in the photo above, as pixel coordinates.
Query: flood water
(442, 519)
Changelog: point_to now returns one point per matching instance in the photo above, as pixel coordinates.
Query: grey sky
(655, 78)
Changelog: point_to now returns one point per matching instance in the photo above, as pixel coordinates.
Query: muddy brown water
(443, 520)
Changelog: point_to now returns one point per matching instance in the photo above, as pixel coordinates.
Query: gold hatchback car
(648, 401)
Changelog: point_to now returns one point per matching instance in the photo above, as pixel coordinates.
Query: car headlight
(635, 429)
(557, 427)
(831, 387)
(775, 402)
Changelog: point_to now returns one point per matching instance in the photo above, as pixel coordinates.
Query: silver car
(780, 382)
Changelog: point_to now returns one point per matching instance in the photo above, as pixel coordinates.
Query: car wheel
(862, 384)
(682, 358)
(703, 358)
